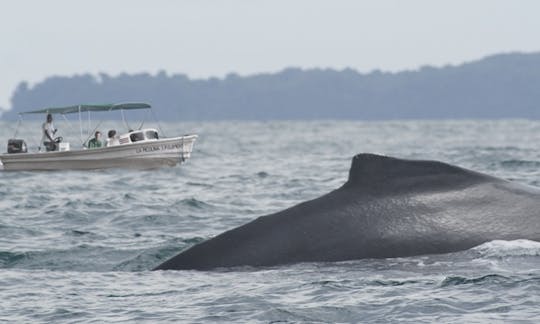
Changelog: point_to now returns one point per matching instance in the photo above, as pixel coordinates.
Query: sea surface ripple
(78, 246)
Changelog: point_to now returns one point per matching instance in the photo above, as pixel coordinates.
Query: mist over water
(78, 246)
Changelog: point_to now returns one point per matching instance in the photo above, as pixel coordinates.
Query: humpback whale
(388, 207)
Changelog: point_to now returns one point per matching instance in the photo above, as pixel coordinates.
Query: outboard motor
(16, 146)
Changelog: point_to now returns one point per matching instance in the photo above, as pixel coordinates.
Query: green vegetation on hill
(499, 86)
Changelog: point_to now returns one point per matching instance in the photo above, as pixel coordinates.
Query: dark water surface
(78, 246)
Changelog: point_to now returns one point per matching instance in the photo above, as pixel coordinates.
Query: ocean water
(78, 246)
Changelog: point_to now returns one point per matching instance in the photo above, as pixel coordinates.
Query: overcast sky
(205, 38)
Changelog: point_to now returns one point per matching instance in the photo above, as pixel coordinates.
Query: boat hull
(149, 154)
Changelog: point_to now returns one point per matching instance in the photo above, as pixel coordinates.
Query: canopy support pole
(124, 119)
(19, 121)
(80, 124)
(143, 120)
(68, 123)
(157, 122)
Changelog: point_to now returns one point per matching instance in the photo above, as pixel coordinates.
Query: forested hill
(499, 86)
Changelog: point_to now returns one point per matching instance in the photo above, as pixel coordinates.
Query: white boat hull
(149, 154)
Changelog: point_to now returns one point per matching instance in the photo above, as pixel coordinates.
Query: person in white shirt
(48, 134)
(112, 139)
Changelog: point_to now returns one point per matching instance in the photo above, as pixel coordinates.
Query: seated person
(96, 141)
(112, 139)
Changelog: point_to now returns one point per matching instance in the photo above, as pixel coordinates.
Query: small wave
(199, 184)
(192, 202)
(262, 174)
(78, 232)
(99, 205)
(459, 280)
(78, 258)
(149, 258)
(358, 284)
(502, 249)
(393, 283)
(144, 260)
(520, 163)
(128, 196)
(506, 148)
(9, 258)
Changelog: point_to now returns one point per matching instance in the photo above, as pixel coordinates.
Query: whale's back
(388, 175)
(387, 208)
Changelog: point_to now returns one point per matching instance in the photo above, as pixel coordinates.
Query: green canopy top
(90, 107)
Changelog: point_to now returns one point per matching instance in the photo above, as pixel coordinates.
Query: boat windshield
(135, 137)
(151, 134)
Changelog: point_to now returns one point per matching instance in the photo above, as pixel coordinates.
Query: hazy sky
(212, 38)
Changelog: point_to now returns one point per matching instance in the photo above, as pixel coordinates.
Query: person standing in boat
(96, 141)
(48, 134)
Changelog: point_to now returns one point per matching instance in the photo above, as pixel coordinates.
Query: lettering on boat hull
(163, 147)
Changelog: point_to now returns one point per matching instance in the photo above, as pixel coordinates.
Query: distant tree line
(499, 86)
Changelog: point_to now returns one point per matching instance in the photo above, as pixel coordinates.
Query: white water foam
(514, 248)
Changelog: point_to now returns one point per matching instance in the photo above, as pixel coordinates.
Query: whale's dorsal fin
(378, 172)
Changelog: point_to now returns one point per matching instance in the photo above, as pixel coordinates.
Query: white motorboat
(140, 149)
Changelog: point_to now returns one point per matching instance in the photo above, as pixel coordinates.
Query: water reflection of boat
(140, 149)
